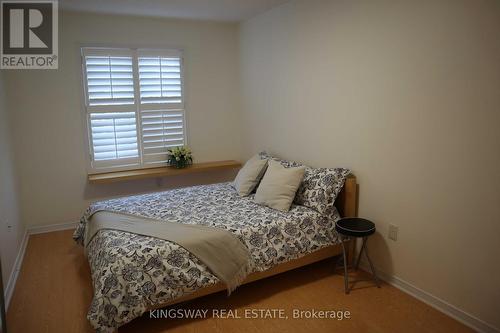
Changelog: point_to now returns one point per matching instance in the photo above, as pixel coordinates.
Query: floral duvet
(132, 273)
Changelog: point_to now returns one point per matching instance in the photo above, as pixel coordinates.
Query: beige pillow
(249, 176)
(277, 188)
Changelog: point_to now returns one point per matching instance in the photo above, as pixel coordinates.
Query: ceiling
(217, 10)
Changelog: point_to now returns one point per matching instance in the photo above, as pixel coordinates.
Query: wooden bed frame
(346, 204)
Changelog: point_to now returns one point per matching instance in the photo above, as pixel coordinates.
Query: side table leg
(346, 277)
(360, 253)
(371, 267)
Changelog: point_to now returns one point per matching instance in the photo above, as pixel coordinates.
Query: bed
(133, 273)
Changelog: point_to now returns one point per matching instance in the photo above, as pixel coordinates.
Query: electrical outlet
(393, 232)
(6, 224)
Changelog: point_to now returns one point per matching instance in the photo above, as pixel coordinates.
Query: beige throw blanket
(218, 249)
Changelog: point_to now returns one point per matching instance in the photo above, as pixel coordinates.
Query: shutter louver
(160, 79)
(114, 136)
(110, 80)
(161, 130)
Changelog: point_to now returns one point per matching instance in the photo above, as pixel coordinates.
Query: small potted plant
(179, 157)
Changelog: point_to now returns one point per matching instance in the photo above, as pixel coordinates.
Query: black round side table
(361, 228)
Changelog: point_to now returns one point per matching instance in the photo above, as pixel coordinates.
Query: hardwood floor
(54, 290)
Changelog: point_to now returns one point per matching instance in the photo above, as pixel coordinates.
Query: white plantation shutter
(135, 106)
(161, 130)
(110, 80)
(114, 135)
(161, 104)
(160, 79)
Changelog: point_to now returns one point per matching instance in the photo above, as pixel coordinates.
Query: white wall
(407, 95)
(10, 237)
(48, 119)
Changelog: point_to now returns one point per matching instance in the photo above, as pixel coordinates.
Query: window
(135, 106)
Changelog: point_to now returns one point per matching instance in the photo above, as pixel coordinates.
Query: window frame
(137, 107)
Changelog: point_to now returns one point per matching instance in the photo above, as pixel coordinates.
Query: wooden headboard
(347, 201)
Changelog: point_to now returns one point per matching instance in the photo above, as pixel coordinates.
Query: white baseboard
(51, 227)
(437, 303)
(11, 283)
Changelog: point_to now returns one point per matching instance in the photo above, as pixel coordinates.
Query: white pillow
(249, 176)
(277, 188)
